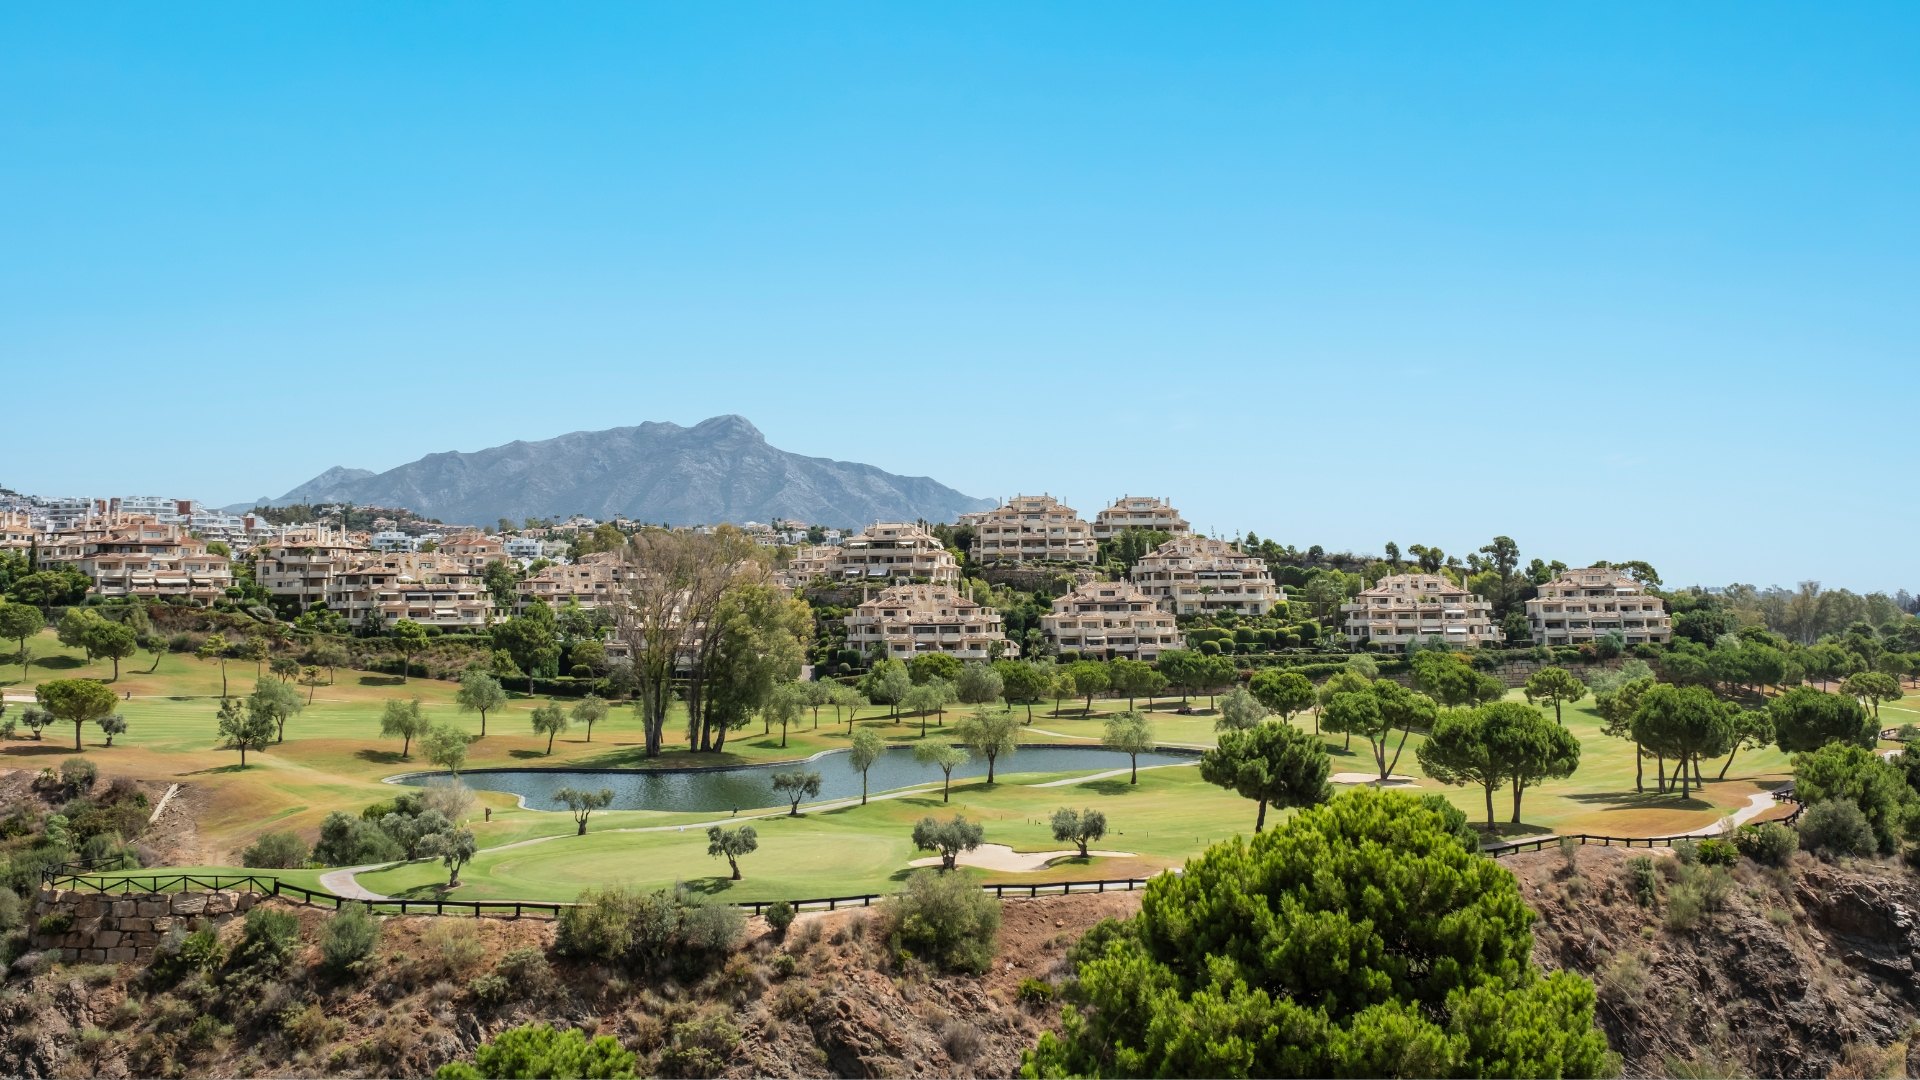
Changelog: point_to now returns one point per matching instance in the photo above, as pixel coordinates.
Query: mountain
(717, 470)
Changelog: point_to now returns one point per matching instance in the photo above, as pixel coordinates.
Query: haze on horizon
(1622, 283)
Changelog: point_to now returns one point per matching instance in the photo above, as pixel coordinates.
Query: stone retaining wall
(114, 928)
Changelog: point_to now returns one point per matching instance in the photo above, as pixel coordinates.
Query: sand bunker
(1002, 857)
(1396, 780)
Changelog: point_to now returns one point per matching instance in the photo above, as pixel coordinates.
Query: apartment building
(473, 549)
(17, 531)
(1033, 528)
(1198, 575)
(1111, 619)
(428, 588)
(1419, 607)
(1581, 605)
(904, 621)
(525, 548)
(892, 553)
(137, 556)
(303, 561)
(592, 581)
(1137, 512)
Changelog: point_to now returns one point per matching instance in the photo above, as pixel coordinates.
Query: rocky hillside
(720, 469)
(1803, 971)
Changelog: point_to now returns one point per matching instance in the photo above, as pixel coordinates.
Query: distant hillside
(718, 470)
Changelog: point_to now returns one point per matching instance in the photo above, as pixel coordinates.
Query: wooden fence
(69, 877)
(1784, 794)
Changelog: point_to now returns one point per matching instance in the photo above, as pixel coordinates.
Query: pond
(751, 786)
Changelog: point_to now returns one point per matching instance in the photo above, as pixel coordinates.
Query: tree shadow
(1641, 800)
(709, 886)
(1507, 830)
(215, 770)
(38, 748)
(436, 890)
(59, 663)
(381, 680)
(524, 755)
(1111, 787)
(379, 757)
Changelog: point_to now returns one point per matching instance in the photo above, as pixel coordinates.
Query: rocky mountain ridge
(721, 469)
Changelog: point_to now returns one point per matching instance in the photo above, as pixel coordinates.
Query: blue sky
(1620, 281)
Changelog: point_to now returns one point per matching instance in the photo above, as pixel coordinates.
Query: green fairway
(334, 759)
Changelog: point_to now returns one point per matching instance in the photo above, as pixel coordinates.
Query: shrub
(276, 851)
(1643, 881)
(182, 953)
(348, 938)
(651, 930)
(539, 1050)
(961, 1040)
(1684, 908)
(1837, 828)
(699, 1047)
(1034, 992)
(528, 970)
(58, 922)
(1769, 843)
(780, 915)
(10, 912)
(1687, 851)
(448, 948)
(1717, 852)
(270, 938)
(599, 926)
(944, 919)
(77, 775)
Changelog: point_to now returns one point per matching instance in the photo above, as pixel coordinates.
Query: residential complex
(1111, 619)
(594, 581)
(1134, 512)
(906, 620)
(1419, 607)
(1032, 528)
(429, 588)
(1581, 605)
(889, 553)
(1198, 575)
(141, 557)
(304, 561)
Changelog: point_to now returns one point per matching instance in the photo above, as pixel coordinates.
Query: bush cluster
(666, 930)
(1769, 843)
(945, 920)
(1837, 828)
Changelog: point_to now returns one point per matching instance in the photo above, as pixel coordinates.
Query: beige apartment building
(1581, 605)
(1113, 620)
(1419, 607)
(473, 550)
(1033, 528)
(904, 621)
(592, 581)
(892, 553)
(424, 587)
(1137, 512)
(303, 561)
(17, 531)
(1198, 575)
(141, 557)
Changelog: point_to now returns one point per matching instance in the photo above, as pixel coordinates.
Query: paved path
(342, 883)
(1757, 804)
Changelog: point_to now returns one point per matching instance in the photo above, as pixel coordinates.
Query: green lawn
(334, 759)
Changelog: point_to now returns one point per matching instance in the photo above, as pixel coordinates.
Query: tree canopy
(1270, 763)
(1359, 938)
